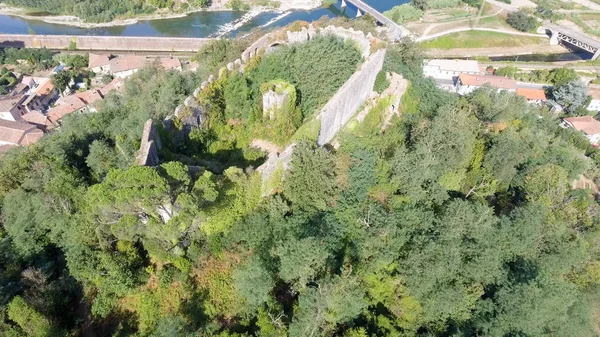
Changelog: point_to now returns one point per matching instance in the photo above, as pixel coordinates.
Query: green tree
(522, 21)
(571, 96)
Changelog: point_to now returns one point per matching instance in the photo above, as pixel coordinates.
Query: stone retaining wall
(106, 43)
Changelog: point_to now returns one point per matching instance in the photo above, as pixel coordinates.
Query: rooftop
(7, 103)
(495, 81)
(170, 62)
(66, 106)
(91, 96)
(37, 118)
(587, 124)
(468, 66)
(115, 84)
(125, 63)
(532, 94)
(19, 133)
(97, 60)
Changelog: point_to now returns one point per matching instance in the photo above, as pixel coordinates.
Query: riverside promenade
(103, 43)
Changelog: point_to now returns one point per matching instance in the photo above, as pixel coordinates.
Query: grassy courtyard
(481, 39)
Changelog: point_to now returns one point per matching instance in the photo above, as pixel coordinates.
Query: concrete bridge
(564, 34)
(362, 7)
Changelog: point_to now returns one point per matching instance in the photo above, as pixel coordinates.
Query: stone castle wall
(349, 98)
(100, 43)
(149, 147)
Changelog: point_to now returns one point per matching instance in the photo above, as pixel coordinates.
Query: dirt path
(589, 4)
(264, 145)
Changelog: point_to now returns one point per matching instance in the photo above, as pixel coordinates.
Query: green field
(481, 39)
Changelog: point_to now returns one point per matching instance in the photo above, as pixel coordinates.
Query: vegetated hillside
(105, 10)
(458, 220)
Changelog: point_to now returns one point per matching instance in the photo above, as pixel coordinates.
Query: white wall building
(449, 69)
(594, 92)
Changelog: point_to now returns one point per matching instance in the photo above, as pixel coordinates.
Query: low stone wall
(149, 147)
(363, 42)
(354, 93)
(100, 43)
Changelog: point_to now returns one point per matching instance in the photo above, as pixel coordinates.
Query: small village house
(586, 124)
(125, 66)
(99, 63)
(66, 106)
(18, 133)
(11, 107)
(467, 83)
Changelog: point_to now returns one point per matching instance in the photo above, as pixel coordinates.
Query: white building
(100, 64)
(449, 69)
(594, 92)
(586, 124)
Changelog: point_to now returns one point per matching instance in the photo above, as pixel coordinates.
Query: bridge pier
(343, 4)
(358, 13)
(596, 55)
(553, 38)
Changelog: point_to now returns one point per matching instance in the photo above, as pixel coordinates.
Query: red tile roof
(125, 63)
(45, 88)
(91, 96)
(65, 106)
(588, 124)
(97, 60)
(115, 84)
(533, 94)
(19, 133)
(170, 62)
(494, 81)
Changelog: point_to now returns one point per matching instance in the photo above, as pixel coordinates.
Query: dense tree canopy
(455, 219)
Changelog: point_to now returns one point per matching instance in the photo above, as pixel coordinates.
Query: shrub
(404, 13)
(381, 82)
(521, 21)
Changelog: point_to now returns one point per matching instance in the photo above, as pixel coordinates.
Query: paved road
(534, 66)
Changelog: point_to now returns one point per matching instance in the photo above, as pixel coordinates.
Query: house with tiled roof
(99, 63)
(41, 96)
(586, 124)
(18, 133)
(125, 66)
(91, 98)
(170, 63)
(66, 106)
(466, 83)
(115, 84)
(38, 119)
(11, 107)
(534, 96)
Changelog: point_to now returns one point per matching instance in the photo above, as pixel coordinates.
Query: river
(199, 24)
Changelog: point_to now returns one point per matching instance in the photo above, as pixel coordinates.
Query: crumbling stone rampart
(354, 93)
(149, 147)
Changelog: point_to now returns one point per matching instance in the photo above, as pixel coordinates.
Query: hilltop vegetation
(457, 220)
(105, 10)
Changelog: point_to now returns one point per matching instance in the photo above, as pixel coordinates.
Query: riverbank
(218, 5)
